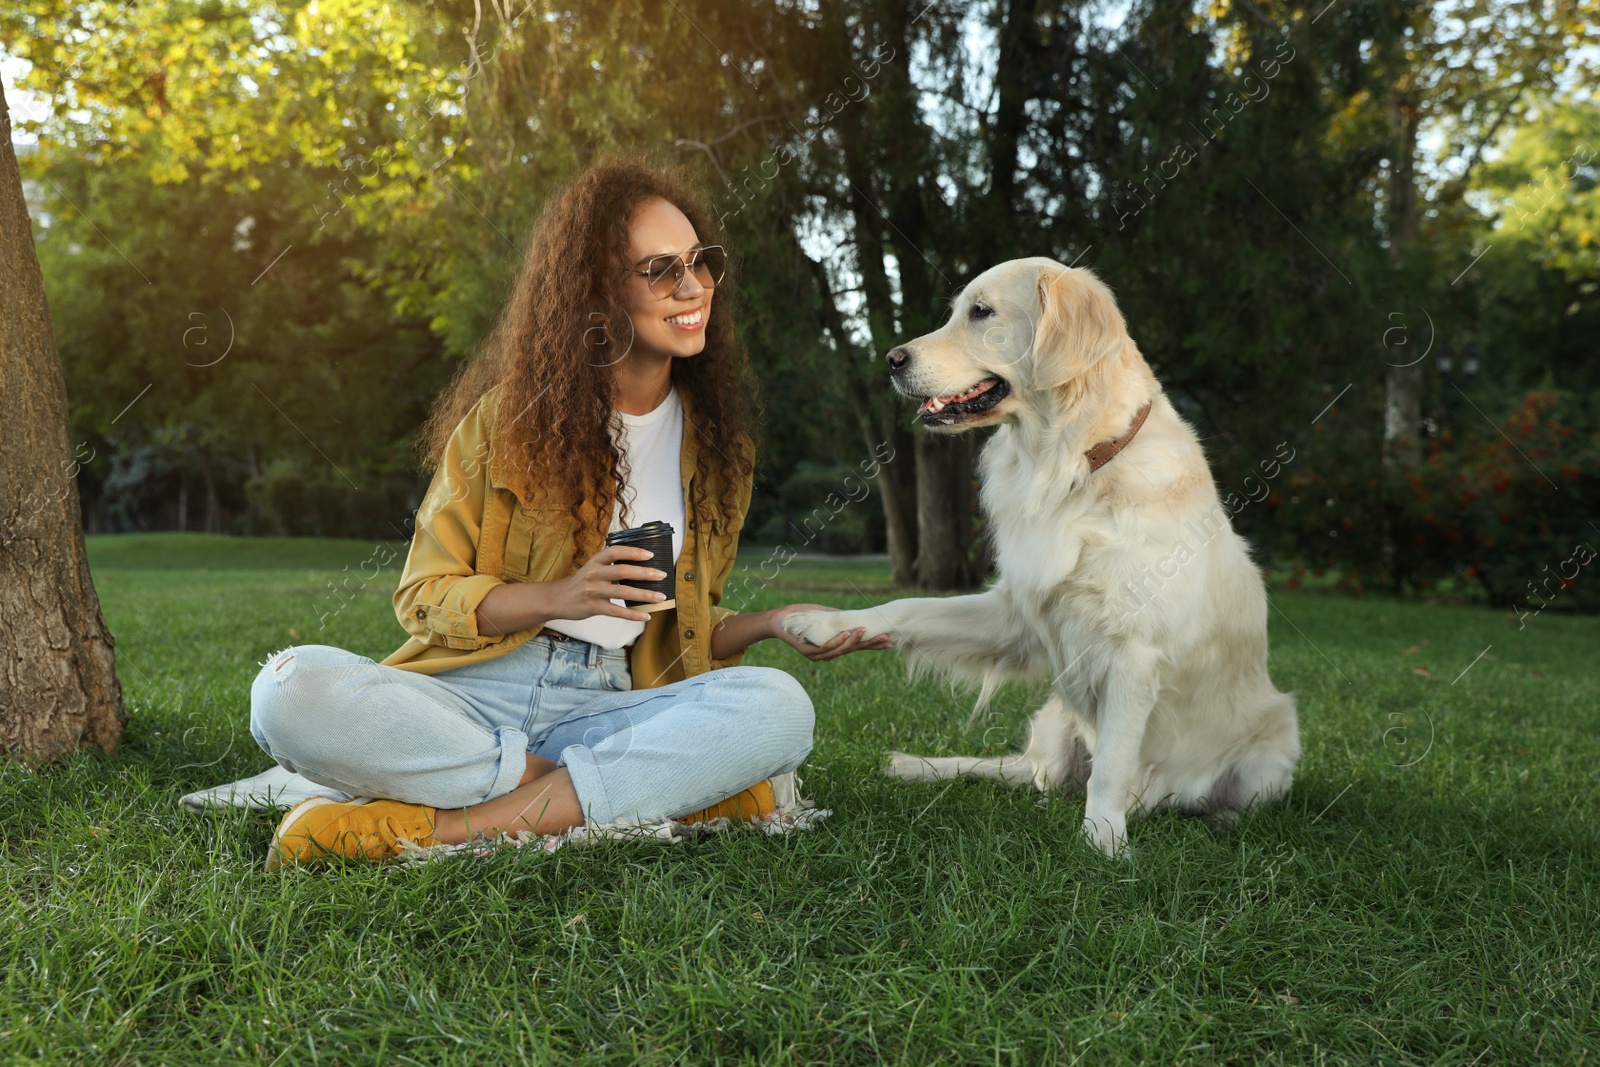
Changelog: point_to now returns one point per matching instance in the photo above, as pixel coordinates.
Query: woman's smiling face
(674, 325)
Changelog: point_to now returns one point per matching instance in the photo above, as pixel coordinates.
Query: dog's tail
(1015, 769)
(1058, 754)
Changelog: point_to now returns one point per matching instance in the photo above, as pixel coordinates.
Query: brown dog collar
(1102, 453)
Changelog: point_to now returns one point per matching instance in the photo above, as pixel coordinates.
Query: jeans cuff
(513, 762)
(587, 783)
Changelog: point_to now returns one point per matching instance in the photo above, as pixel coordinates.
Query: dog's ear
(1079, 325)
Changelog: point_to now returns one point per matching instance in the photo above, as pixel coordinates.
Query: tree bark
(936, 555)
(897, 489)
(213, 504)
(996, 233)
(897, 486)
(944, 511)
(1402, 402)
(58, 680)
(1402, 386)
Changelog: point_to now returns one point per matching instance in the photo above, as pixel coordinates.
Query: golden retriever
(1125, 585)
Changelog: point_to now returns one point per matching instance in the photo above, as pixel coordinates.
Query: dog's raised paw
(815, 627)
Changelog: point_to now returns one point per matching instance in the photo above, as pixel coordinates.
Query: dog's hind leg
(1058, 753)
(1061, 747)
(1258, 777)
(1262, 770)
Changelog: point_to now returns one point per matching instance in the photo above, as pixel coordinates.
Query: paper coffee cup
(657, 537)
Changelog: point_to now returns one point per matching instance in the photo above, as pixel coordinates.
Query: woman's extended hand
(590, 589)
(850, 641)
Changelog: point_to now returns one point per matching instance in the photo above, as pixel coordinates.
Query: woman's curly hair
(559, 332)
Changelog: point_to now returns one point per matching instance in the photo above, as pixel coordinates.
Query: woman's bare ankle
(546, 804)
(450, 826)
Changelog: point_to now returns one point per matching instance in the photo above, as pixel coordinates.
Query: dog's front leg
(1128, 696)
(979, 629)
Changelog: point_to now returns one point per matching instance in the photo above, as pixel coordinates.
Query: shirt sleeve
(440, 589)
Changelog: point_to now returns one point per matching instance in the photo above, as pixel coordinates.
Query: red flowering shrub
(1507, 505)
(1512, 507)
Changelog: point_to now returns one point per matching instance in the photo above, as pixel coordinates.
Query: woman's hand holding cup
(590, 589)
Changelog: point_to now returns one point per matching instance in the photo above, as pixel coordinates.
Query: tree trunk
(995, 236)
(58, 680)
(943, 468)
(1402, 386)
(897, 489)
(897, 483)
(213, 504)
(1402, 402)
(944, 511)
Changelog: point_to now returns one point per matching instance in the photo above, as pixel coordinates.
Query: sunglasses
(664, 274)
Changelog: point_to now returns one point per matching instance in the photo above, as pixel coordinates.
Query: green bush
(832, 509)
(288, 500)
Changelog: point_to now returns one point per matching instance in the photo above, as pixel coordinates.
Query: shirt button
(689, 634)
(691, 524)
(688, 576)
(422, 613)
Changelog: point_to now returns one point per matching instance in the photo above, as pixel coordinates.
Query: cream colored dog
(1125, 586)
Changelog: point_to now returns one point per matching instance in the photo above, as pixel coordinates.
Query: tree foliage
(1287, 199)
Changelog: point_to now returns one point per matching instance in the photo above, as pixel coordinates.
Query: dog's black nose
(897, 358)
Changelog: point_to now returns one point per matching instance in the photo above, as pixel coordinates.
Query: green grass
(1436, 913)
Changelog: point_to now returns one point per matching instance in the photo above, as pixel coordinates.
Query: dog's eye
(980, 310)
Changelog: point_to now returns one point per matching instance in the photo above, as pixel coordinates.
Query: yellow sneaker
(322, 828)
(748, 805)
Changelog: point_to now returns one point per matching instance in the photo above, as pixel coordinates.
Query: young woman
(529, 697)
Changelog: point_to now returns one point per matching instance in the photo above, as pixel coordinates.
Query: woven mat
(277, 789)
(665, 832)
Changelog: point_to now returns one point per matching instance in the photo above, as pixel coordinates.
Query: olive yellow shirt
(473, 533)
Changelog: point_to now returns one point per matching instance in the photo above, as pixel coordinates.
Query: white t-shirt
(651, 443)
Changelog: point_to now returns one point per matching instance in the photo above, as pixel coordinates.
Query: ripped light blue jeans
(461, 736)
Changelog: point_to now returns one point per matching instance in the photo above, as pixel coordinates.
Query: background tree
(217, 243)
(1288, 202)
(58, 677)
